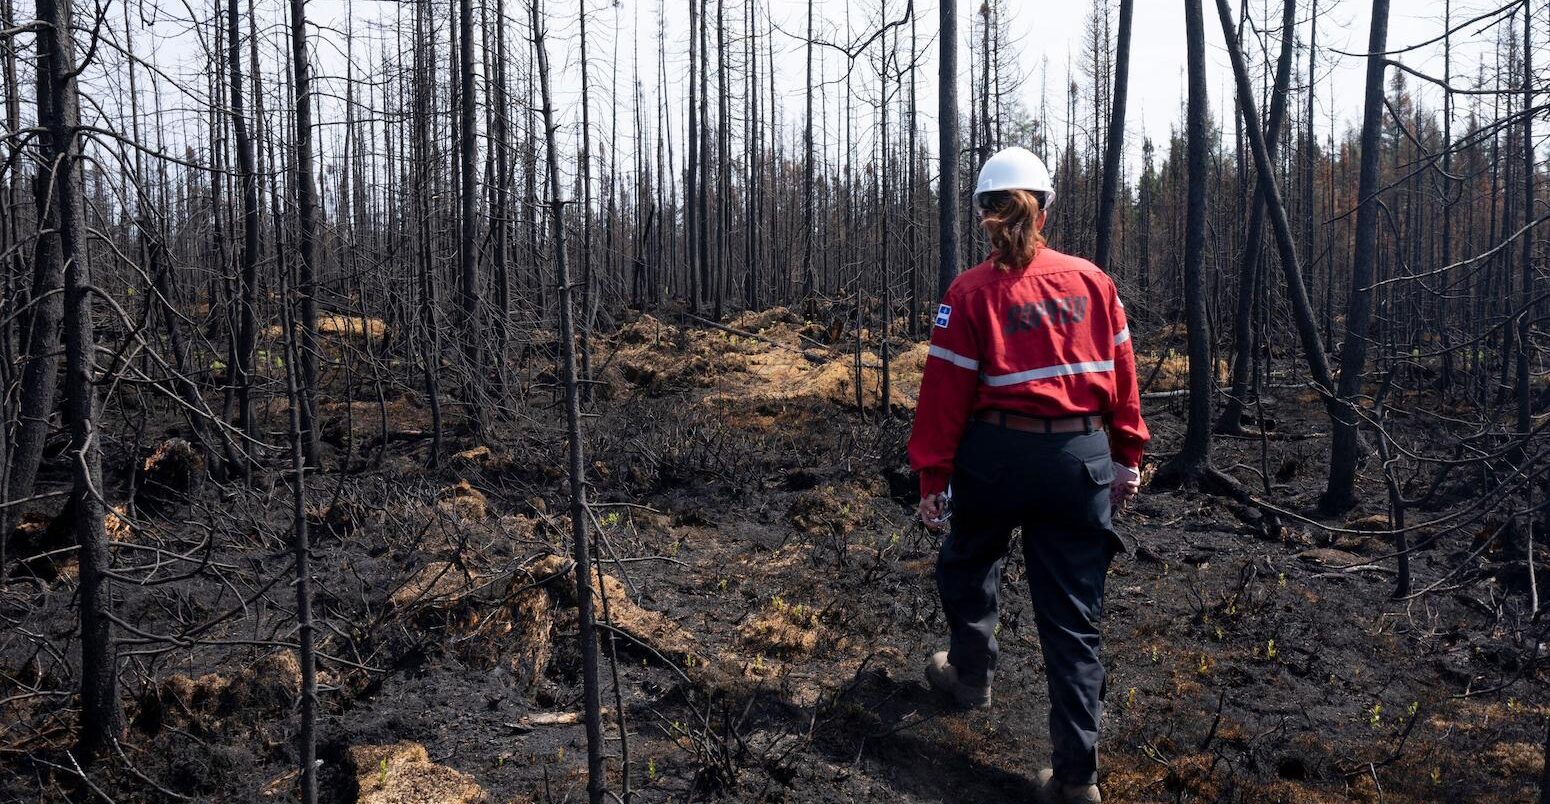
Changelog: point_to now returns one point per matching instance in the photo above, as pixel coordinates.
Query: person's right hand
(932, 509)
(1126, 484)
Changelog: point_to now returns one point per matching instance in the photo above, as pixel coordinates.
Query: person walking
(1029, 416)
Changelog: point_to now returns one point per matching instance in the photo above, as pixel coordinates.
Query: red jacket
(1049, 340)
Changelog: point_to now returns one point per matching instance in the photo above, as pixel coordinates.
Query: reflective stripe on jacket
(1049, 340)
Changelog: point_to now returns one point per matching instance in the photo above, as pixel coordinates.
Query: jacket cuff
(933, 481)
(1126, 454)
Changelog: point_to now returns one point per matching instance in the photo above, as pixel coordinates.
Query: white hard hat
(1015, 169)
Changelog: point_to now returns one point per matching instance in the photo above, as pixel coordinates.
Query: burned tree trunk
(1250, 273)
(947, 130)
(306, 733)
(1116, 139)
(591, 700)
(41, 324)
(468, 224)
(809, 279)
(306, 232)
(102, 718)
(1345, 447)
(1193, 459)
(242, 363)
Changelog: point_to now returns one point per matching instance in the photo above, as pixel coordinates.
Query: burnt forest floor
(773, 604)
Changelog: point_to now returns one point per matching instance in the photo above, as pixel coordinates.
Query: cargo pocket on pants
(1100, 471)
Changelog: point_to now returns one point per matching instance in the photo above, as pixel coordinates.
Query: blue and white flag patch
(943, 313)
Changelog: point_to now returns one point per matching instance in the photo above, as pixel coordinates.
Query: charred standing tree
(1231, 420)
(247, 274)
(10, 273)
(422, 195)
(591, 700)
(692, 168)
(306, 734)
(809, 279)
(723, 165)
(306, 232)
(1526, 264)
(468, 222)
(1345, 445)
(102, 718)
(1193, 460)
(585, 178)
(702, 216)
(41, 319)
(1269, 196)
(1116, 139)
(947, 123)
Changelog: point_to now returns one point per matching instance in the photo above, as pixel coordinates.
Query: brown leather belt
(1038, 424)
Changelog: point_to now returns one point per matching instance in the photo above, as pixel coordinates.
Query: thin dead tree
(1345, 446)
(306, 733)
(947, 133)
(1193, 460)
(1116, 138)
(469, 296)
(102, 717)
(242, 363)
(591, 701)
(306, 231)
(1250, 272)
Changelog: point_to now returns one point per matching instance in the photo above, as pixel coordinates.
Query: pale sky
(1054, 31)
(1041, 31)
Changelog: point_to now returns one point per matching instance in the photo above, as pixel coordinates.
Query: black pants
(1056, 488)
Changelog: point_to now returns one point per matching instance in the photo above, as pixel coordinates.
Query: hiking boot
(944, 678)
(1053, 791)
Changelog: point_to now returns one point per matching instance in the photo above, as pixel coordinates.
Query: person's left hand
(933, 510)
(1126, 484)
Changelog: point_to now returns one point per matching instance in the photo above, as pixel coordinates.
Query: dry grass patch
(361, 421)
(404, 774)
(482, 458)
(830, 510)
(465, 501)
(341, 327)
(439, 583)
(260, 690)
(783, 630)
(651, 628)
(1169, 371)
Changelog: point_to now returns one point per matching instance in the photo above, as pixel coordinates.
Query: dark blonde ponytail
(1011, 218)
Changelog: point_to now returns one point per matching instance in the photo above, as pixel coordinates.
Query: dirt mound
(658, 370)
(783, 630)
(465, 501)
(439, 583)
(117, 525)
(830, 377)
(761, 320)
(760, 356)
(404, 774)
(361, 422)
(257, 692)
(169, 476)
(830, 510)
(522, 636)
(647, 329)
(482, 458)
(1169, 371)
(341, 327)
(487, 622)
(651, 628)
